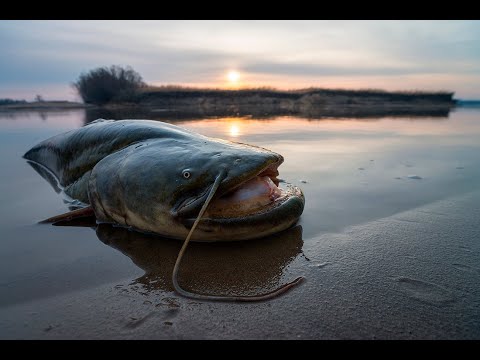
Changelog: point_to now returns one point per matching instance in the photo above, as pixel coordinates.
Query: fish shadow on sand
(226, 268)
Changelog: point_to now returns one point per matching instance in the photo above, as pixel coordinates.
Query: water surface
(374, 188)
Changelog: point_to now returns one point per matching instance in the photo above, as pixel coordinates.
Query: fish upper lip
(273, 173)
(191, 204)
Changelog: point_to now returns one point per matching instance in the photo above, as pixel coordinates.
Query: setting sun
(233, 76)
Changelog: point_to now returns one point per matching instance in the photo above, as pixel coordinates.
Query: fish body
(154, 177)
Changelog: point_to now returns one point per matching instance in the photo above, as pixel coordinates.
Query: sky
(45, 57)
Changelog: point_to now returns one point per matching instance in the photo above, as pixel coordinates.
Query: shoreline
(173, 96)
(127, 110)
(46, 105)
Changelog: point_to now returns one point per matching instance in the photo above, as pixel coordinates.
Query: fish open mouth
(257, 201)
(255, 195)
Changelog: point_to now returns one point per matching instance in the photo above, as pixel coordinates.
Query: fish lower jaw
(232, 225)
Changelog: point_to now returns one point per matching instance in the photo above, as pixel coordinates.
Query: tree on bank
(105, 84)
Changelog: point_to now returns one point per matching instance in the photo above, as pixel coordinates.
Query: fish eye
(186, 174)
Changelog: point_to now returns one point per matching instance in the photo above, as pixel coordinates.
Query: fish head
(160, 186)
(235, 163)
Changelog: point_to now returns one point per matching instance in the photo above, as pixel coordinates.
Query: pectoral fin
(77, 217)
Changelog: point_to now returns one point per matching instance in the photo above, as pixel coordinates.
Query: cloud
(308, 69)
(299, 69)
(30, 58)
(56, 52)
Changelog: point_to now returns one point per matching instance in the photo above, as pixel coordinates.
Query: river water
(388, 241)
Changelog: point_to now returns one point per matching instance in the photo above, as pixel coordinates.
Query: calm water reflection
(245, 268)
(351, 170)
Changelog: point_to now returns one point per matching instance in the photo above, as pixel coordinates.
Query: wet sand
(408, 276)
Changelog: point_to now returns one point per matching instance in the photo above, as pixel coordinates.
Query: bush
(106, 84)
(11, 102)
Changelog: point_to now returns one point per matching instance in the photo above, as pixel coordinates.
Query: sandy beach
(407, 276)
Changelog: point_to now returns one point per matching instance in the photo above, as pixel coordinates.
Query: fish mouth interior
(257, 194)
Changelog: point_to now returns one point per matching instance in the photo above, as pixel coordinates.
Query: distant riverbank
(307, 103)
(44, 105)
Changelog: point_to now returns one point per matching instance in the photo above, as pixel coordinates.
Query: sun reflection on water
(234, 130)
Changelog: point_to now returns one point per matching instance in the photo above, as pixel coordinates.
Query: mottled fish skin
(131, 172)
(70, 155)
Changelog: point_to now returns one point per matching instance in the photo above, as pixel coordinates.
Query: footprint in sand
(464, 267)
(425, 291)
(465, 248)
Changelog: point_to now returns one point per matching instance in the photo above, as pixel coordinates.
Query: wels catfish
(159, 178)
